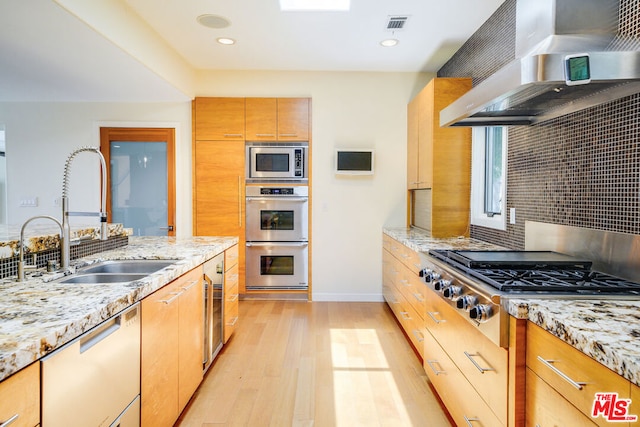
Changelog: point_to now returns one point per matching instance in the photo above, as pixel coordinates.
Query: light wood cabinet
(277, 119)
(219, 119)
(172, 348)
(574, 376)
(20, 398)
(455, 391)
(231, 295)
(218, 195)
(403, 290)
(439, 159)
(481, 363)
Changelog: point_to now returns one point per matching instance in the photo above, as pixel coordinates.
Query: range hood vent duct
(551, 37)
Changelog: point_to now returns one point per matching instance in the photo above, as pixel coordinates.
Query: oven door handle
(283, 199)
(289, 244)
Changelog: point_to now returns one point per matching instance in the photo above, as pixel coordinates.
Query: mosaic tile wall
(9, 266)
(582, 169)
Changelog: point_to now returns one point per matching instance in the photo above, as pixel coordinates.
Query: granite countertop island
(39, 314)
(607, 330)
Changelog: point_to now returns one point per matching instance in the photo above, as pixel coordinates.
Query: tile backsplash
(582, 169)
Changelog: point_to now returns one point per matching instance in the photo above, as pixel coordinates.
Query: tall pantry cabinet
(218, 170)
(221, 126)
(438, 161)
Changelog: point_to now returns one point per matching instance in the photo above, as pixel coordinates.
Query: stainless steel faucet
(22, 267)
(66, 229)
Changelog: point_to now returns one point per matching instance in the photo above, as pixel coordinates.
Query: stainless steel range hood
(552, 35)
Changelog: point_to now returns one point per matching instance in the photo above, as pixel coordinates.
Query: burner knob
(481, 312)
(467, 302)
(429, 275)
(440, 285)
(452, 292)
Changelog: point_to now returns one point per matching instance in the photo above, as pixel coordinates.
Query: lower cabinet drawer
(483, 363)
(574, 375)
(20, 398)
(545, 407)
(463, 402)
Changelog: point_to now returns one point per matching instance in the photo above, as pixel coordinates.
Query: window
(488, 177)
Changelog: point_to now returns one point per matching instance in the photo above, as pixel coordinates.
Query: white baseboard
(348, 297)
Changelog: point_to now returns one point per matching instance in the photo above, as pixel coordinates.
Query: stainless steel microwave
(277, 162)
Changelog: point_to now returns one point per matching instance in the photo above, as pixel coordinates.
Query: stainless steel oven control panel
(478, 306)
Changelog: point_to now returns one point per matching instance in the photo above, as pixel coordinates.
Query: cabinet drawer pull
(433, 317)
(435, 371)
(232, 298)
(232, 135)
(173, 298)
(405, 315)
(233, 321)
(190, 285)
(480, 368)
(288, 135)
(548, 364)
(418, 297)
(418, 335)
(10, 420)
(405, 282)
(265, 134)
(468, 420)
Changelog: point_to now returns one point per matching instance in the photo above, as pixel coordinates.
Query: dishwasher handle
(106, 329)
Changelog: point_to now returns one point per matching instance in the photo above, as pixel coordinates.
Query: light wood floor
(292, 363)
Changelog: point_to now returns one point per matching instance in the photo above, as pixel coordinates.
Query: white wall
(40, 137)
(349, 110)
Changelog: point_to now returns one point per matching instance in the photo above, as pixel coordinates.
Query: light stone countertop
(39, 315)
(421, 241)
(608, 331)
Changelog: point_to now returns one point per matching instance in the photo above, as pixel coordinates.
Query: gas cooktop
(534, 271)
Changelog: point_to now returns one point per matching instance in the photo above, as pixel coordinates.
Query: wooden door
(191, 335)
(155, 209)
(293, 119)
(261, 119)
(159, 361)
(219, 119)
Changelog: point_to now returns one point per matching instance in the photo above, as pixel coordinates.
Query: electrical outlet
(30, 202)
(512, 215)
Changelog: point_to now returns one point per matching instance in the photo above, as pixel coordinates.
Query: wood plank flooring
(293, 363)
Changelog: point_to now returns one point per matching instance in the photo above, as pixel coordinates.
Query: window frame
(478, 168)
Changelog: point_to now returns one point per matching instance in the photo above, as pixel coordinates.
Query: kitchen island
(40, 315)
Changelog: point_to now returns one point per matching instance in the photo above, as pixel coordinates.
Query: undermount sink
(104, 278)
(118, 271)
(128, 266)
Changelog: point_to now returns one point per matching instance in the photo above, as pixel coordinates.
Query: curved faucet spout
(104, 231)
(21, 266)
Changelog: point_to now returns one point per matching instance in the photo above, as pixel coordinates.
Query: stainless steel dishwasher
(94, 380)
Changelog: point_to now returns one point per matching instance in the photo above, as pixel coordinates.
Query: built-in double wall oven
(277, 238)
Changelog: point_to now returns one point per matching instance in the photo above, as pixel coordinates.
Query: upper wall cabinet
(277, 119)
(430, 146)
(219, 119)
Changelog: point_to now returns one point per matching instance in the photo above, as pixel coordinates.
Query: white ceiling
(47, 54)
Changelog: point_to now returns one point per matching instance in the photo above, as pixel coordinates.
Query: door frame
(144, 134)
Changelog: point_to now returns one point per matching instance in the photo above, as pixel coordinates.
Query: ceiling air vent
(396, 23)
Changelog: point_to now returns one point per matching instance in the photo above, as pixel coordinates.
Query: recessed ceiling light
(315, 5)
(213, 21)
(225, 40)
(389, 42)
